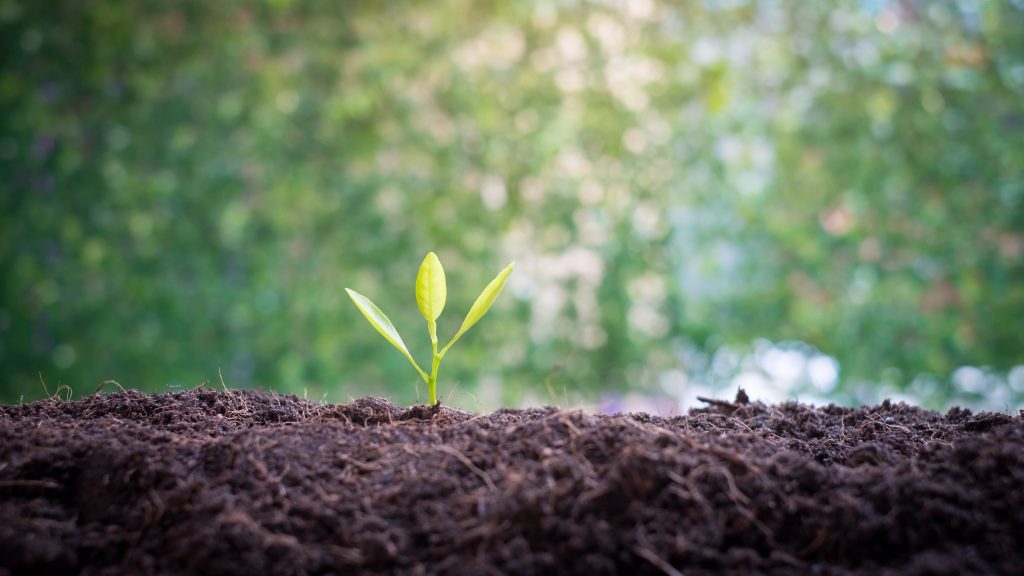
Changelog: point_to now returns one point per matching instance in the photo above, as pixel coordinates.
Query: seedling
(431, 293)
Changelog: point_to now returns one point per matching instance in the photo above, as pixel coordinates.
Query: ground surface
(251, 483)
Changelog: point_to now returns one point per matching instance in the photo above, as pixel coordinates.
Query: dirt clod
(257, 483)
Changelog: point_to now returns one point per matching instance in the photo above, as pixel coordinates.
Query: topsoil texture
(253, 483)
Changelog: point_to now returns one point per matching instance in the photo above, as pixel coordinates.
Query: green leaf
(431, 291)
(383, 325)
(482, 305)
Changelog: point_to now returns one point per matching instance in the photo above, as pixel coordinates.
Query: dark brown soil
(251, 483)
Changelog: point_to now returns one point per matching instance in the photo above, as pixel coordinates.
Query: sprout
(431, 294)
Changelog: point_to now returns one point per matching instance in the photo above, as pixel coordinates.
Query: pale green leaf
(383, 325)
(483, 303)
(431, 291)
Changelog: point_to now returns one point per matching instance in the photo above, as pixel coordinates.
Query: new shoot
(431, 294)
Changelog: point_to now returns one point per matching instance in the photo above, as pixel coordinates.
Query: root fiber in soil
(206, 482)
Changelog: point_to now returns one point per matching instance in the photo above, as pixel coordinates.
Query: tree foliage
(188, 185)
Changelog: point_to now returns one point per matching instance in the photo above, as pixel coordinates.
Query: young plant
(431, 293)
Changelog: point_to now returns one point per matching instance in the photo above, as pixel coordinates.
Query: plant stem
(432, 382)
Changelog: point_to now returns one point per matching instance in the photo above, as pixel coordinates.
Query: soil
(206, 482)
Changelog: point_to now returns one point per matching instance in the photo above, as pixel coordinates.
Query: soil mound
(205, 482)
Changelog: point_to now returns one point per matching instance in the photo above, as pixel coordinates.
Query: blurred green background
(814, 200)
